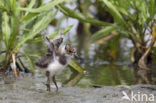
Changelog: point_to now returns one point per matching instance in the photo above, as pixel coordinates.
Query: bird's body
(55, 68)
(56, 59)
(53, 65)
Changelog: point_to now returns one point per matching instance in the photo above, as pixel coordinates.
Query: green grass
(20, 25)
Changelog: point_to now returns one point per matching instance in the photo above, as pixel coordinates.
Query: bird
(56, 59)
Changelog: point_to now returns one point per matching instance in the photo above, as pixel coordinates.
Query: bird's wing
(51, 47)
(57, 41)
(44, 61)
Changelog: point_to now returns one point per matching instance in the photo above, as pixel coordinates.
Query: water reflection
(106, 64)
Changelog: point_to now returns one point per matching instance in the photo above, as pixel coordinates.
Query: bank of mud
(33, 90)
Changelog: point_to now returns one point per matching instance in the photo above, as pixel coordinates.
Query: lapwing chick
(56, 59)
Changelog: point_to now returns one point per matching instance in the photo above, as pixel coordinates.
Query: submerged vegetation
(100, 21)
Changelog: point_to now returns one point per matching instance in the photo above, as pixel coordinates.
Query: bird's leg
(54, 80)
(48, 81)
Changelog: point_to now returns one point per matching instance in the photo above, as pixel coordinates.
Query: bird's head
(70, 51)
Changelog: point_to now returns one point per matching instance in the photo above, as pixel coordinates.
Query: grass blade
(152, 8)
(2, 6)
(73, 64)
(39, 26)
(6, 32)
(81, 17)
(113, 10)
(101, 33)
(31, 4)
(32, 67)
(43, 8)
(29, 17)
(39, 39)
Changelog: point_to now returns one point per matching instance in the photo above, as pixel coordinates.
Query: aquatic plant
(133, 19)
(21, 22)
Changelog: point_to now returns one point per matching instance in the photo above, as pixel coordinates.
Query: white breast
(55, 68)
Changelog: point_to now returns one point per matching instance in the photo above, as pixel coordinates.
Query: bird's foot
(48, 87)
(56, 90)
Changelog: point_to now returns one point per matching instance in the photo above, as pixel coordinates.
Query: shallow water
(102, 68)
(30, 89)
(105, 64)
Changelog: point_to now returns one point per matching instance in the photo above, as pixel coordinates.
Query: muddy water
(32, 90)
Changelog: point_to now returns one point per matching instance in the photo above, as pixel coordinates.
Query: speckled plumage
(56, 59)
(44, 61)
